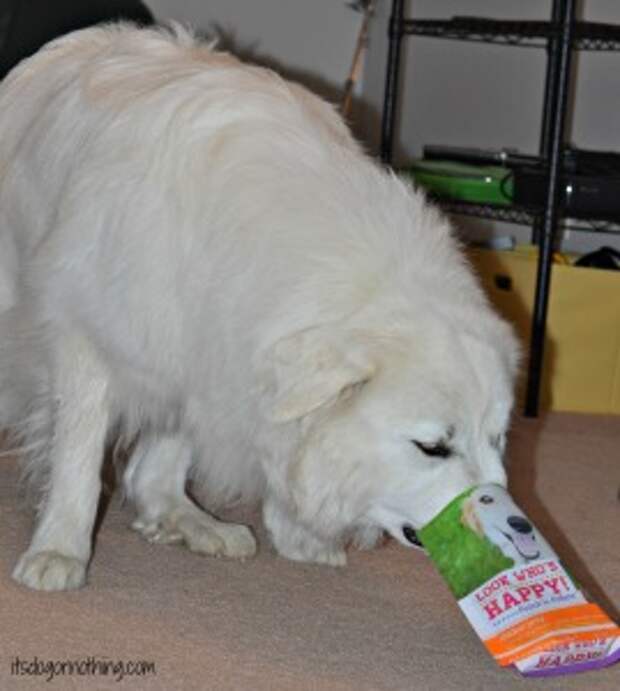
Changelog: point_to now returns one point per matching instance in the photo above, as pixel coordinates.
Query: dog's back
(185, 211)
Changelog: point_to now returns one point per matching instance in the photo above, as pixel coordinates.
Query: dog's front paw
(50, 571)
(367, 537)
(315, 552)
(200, 532)
(219, 539)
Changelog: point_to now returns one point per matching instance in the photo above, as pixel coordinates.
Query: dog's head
(392, 424)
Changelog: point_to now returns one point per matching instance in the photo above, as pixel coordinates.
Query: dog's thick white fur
(199, 250)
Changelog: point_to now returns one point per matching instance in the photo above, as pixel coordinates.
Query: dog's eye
(439, 450)
(486, 499)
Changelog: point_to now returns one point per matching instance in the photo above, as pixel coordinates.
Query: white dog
(490, 513)
(197, 249)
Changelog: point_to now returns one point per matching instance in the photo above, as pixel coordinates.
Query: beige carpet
(385, 622)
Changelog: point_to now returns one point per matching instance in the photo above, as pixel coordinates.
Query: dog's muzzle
(523, 537)
(519, 524)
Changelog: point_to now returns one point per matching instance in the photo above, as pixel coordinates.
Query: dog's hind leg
(61, 545)
(155, 481)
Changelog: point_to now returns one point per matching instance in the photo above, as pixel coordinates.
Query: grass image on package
(513, 589)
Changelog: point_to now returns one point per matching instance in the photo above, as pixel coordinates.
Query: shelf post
(551, 76)
(388, 120)
(558, 98)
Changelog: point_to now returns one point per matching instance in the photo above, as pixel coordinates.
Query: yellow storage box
(582, 353)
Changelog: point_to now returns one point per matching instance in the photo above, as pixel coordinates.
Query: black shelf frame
(506, 213)
(522, 215)
(560, 36)
(593, 36)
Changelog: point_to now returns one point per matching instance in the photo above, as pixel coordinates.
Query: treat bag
(514, 591)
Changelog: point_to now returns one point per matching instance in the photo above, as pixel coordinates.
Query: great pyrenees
(196, 250)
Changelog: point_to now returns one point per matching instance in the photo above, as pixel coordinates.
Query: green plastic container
(462, 182)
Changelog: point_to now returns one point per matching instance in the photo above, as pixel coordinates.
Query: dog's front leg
(61, 545)
(155, 480)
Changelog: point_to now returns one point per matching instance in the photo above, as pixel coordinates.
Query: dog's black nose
(411, 535)
(520, 524)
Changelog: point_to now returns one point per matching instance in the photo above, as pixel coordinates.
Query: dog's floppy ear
(469, 517)
(312, 368)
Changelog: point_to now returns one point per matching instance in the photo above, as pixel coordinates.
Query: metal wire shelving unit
(560, 36)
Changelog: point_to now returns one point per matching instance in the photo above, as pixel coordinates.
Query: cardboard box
(582, 354)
